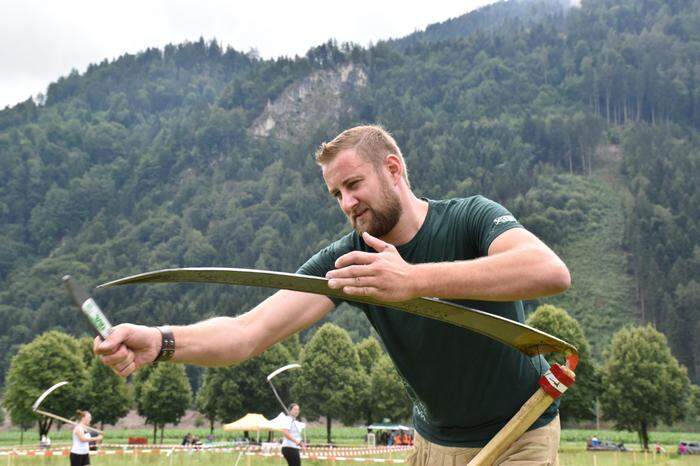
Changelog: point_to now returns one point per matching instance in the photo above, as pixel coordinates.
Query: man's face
(364, 192)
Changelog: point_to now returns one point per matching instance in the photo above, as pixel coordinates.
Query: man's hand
(384, 275)
(128, 347)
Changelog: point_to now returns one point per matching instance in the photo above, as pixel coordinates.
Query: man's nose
(348, 203)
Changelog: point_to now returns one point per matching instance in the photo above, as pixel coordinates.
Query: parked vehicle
(688, 448)
(605, 445)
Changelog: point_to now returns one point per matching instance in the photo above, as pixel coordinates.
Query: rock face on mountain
(303, 106)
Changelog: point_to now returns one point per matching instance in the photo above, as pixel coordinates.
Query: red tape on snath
(555, 381)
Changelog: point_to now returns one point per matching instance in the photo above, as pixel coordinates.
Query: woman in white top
(80, 451)
(292, 438)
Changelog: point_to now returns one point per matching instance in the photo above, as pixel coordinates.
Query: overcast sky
(42, 40)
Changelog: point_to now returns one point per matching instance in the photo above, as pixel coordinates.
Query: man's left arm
(518, 266)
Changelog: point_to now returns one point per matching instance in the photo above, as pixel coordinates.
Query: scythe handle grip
(552, 385)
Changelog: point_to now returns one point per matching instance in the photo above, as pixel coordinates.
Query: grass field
(572, 450)
(572, 458)
(341, 436)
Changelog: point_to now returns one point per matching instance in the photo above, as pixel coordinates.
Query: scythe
(42, 397)
(525, 339)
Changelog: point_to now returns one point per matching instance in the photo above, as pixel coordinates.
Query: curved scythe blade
(275, 373)
(43, 396)
(526, 339)
(282, 369)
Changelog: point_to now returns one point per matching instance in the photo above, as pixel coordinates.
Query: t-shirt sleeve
(486, 220)
(319, 263)
(324, 260)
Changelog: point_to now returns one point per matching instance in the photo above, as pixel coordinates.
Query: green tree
(694, 404)
(293, 345)
(50, 358)
(332, 381)
(108, 396)
(229, 402)
(86, 344)
(579, 401)
(389, 397)
(249, 376)
(166, 396)
(368, 351)
(643, 383)
(138, 381)
(220, 398)
(208, 395)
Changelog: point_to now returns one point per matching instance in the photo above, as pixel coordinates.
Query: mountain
(490, 19)
(584, 124)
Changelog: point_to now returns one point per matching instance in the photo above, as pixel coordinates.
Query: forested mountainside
(584, 122)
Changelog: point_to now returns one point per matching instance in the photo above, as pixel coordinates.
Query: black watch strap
(167, 346)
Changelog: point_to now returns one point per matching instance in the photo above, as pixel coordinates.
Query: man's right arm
(220, 341)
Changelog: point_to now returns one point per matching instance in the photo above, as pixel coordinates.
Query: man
(465, 387)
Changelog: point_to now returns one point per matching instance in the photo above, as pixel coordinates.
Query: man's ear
(393, 164)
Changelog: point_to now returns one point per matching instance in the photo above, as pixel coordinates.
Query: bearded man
(472, 251)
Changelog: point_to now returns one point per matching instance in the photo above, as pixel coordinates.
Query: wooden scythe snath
(525, 339)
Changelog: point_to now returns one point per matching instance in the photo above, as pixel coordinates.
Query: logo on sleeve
(504, 219)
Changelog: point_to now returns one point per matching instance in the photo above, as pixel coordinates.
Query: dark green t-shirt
(464, 386)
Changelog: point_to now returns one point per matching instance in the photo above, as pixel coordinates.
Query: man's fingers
(126, 370)
(112, 342)
(354, 281)
(355, 258)
(361, 290)
(95, 343)
(375, 243)
(351, 271)
(118, 357)
(126, 362)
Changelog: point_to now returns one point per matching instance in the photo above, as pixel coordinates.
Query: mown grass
(341, 436)
(567, 458)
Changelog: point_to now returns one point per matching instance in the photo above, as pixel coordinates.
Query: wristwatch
(167, 346)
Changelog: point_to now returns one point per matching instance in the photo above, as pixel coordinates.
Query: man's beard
(384, 218)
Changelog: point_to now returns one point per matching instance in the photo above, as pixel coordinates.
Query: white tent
(281, 422)
(250, 422)
(383, 426)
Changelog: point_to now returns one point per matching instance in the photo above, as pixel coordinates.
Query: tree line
(338, 380)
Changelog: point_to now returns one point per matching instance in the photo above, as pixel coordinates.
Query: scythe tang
(526, 339)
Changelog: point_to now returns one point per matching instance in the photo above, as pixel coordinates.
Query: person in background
(80, 451)
(291, 444)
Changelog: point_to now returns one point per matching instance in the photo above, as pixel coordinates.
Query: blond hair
(372, 142)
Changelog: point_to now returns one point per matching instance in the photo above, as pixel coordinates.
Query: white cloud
(41, 41)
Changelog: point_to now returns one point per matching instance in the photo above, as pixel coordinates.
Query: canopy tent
(251, 421)
(382, 426)
(282, 422)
